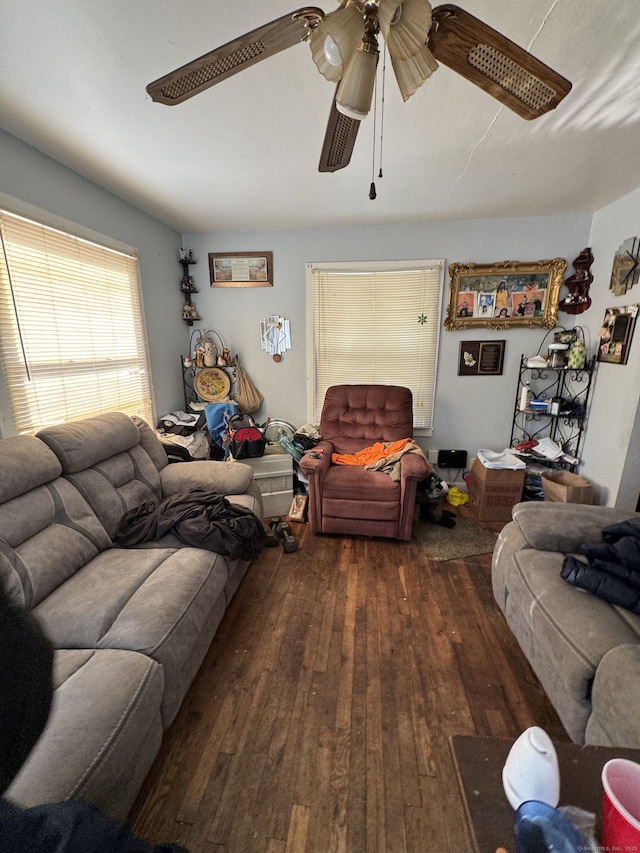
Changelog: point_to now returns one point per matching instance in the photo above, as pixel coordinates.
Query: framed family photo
(616, 334)
(507, 293)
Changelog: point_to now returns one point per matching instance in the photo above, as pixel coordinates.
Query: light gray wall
(32, 177)
(612, 447)
(470, 412)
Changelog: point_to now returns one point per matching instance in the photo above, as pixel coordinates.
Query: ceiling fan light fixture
(355, 91)
(335, 39)
(405, 26)
(411, 73)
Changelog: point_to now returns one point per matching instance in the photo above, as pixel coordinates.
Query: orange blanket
(370, 455)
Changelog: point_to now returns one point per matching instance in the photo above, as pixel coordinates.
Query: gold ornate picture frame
(504, 294)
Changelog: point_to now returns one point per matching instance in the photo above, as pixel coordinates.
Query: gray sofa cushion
(154, 601)
(105, 461)
(150, 442)
(616, 699)
(103, 733)
(46, 535)
(225, 478)
(25, 463)
(563, 527)
(80, 444)
(564, 633)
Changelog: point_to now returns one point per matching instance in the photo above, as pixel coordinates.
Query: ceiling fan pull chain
(384, 84)
(372, 186)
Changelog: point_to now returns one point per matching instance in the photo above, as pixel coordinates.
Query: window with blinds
(375, 323)
(72, 336)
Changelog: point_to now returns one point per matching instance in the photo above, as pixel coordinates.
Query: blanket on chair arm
(381, 456)
(199, 518)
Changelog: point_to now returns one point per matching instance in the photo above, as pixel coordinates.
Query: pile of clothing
(612, 567)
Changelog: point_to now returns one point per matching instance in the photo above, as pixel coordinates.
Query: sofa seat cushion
(563, 631)
(154, 601)
(103, 733)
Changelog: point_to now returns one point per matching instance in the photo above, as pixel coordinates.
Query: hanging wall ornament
(626, 267)
(276, 336)
(578, 299)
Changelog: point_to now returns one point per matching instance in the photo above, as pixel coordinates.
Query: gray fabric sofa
(585, 651)
(130, 626)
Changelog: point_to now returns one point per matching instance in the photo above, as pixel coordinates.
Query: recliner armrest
(317, 466)
(414, 466)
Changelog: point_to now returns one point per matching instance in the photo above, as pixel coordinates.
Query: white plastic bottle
(525, 397)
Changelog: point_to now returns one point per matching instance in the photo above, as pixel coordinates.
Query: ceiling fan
(344, 47)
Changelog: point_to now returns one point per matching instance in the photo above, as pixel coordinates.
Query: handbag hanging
(247, 396)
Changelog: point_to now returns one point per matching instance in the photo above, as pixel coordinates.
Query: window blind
(72, 336)
(376, 326)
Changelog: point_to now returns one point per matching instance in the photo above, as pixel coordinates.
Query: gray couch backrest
(105, 461)
(47, 529)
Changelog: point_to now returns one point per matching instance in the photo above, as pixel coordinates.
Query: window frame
(67, 229)
(370, 267)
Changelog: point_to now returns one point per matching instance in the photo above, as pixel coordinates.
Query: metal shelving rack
(566, 428)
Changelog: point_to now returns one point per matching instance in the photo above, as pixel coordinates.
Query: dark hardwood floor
(320, 718)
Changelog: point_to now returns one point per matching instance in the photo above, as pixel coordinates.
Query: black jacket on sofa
(612, 570)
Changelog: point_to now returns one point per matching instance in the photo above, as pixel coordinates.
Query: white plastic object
(531, 770)
(525, 396)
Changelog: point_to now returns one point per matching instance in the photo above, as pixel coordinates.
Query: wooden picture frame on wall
(504, 294)
(241, 269)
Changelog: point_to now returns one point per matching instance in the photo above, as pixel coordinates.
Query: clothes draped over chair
(199, 518)
(381, 456)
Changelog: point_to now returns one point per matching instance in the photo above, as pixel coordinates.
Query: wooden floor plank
(320, 718)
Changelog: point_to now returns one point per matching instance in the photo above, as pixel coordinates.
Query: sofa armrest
(549, 526)
(225, 478)
(615, 699)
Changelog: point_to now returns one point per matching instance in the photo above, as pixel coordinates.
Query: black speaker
(452, 459)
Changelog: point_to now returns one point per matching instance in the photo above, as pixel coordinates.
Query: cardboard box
(494, 491)
(565, 487)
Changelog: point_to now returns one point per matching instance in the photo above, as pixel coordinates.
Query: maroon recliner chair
(351, 499)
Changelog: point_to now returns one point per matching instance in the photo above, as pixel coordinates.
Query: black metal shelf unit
(571, 387)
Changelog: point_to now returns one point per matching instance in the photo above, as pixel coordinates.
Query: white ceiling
(244, 154)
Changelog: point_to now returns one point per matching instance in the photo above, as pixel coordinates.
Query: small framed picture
(616, 333)
(481, 358)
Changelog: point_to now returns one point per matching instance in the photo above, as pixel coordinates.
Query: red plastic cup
(621, 805)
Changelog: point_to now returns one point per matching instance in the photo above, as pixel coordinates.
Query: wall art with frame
(241, 269)
(481, 358)
(504, 294)
(616, 333)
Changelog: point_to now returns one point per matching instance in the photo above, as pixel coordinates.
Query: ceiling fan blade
(495, 63)
(338, 141)
(235, 56)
